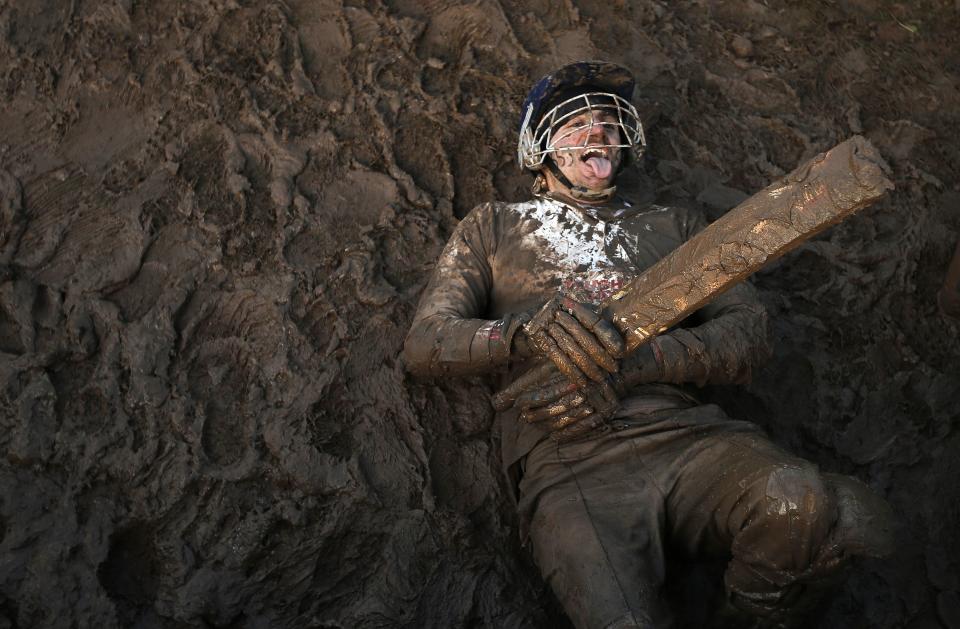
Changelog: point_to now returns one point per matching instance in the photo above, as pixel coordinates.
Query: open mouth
(593, 152)
(596, 162)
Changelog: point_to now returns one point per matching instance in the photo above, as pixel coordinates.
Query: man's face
(594, 160)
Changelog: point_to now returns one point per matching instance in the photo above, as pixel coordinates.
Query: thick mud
(216, 218)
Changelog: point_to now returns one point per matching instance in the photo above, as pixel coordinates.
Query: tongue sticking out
(599, 167)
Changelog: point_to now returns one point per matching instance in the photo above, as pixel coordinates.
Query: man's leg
(790, 530)
(596, 523)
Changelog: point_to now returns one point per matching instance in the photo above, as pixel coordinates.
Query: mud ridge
(216, 218)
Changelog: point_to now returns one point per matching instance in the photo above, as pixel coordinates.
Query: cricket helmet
(580, 87)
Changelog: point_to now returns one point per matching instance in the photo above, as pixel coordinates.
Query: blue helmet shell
(601, 76)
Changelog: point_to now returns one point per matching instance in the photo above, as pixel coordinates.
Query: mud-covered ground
(216, 218)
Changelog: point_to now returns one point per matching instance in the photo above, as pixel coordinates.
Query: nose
(596, 133)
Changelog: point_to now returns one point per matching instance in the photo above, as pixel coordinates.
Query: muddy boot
(729, 616)
(864, 525)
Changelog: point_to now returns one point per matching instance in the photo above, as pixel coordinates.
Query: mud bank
(216, 218)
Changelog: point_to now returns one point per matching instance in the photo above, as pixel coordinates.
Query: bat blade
(821, 192)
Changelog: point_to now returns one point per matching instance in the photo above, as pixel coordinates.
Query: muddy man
(613, 457)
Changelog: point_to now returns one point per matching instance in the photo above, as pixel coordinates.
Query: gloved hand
(582, 344)
(566, 411)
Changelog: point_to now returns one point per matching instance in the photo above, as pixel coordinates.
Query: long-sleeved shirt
(507, 259)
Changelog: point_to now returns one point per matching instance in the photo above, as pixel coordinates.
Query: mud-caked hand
(583, 345)
(643, 366)
(567, 411)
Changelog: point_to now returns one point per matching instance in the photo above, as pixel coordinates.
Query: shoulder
(500, 214)
(482, 217)
(682, 221)
(674, 212)
(488, 225)
(491, 210)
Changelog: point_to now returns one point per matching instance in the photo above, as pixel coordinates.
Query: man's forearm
(439, 345)
(724, 350)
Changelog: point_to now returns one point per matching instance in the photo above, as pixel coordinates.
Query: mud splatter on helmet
(580, 87)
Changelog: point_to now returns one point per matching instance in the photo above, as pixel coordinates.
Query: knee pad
(794, 493)
(830, 519)
(793, 514)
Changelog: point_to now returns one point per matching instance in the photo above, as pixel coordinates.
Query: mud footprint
(131, 572)
(220, 378)
(223, 438)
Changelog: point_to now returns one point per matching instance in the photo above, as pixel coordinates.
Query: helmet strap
(580, 193)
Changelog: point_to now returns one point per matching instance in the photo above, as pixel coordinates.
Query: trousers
(602, 511)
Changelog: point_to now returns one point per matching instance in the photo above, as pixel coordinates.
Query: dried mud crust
(216, 219)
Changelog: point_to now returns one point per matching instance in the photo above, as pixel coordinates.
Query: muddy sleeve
(728, 340)
(448, 335)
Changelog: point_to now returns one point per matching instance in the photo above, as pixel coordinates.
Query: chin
(596, 185)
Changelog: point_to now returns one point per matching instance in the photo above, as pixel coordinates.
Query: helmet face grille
(536, 143)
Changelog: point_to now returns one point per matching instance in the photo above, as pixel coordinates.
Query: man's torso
(543, 246)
